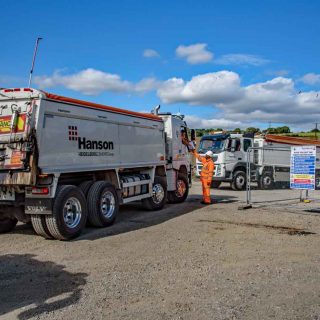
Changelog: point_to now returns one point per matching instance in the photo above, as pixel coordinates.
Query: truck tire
(7, 224)
(182, 191)
(239, 181)
(215, 184)
(39, 226)
(69, 214)
(103, 204)
(266, 181)
(159, 195)
(85, 187)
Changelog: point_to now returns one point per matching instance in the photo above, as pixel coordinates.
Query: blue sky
(222, 63)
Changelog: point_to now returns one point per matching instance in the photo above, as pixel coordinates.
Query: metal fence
(268, 168)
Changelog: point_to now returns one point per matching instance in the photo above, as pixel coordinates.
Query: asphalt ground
(187, 261)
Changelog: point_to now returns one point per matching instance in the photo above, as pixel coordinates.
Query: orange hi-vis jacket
(207, 169)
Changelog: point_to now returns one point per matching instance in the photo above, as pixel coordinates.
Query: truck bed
(73, 136)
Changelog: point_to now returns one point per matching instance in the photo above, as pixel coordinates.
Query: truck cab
(229, 156)
(178, 159)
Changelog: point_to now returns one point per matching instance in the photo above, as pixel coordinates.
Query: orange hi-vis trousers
(206, 191)
(206, 176)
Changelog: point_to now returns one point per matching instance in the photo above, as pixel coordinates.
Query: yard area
(186, 261)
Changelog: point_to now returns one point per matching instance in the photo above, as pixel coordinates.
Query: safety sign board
(303, 167)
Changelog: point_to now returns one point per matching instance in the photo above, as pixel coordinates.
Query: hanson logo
(86, 144)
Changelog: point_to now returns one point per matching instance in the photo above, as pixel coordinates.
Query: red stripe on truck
(291, 140)
(101, 107)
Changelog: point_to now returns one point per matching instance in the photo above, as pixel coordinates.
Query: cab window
(246, 144)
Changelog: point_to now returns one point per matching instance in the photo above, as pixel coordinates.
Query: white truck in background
(66, 162)
(229, 156)
(269, 160)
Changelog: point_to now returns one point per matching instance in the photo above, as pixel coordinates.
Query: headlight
(218, 170)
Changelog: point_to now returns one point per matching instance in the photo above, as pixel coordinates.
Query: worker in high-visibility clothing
(206, 174)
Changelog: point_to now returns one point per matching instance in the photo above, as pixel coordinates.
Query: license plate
(7, 195)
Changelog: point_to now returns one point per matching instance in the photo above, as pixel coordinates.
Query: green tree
(271, 130)
(252, 130)
(284, 129)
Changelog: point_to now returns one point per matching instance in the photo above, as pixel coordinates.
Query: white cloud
(237, 105)
(93, 82)
(195, 53)
(197, 122)
(241, 59)
(275, 100)
(146, 84)
(150, 53)
(278, 73)
(218, 87)
(311, 79)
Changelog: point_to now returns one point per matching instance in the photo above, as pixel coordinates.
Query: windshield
(212, 145)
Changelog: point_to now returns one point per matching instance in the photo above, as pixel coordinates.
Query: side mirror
(193, 135)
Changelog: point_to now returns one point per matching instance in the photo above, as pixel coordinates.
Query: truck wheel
(266, 181)
(39, 226)
(215, 184)
(7, 224)
(103, 204)
(159, 195)
(69, 214)
(182, 191)
(85, 187)
(239, 181)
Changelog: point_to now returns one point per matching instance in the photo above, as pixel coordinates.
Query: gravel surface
(186, 261)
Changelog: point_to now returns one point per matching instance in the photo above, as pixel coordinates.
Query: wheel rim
(267, 181)
(107, 204)
(72, 212)
(181, 188)
(240, 181)
(157, 193)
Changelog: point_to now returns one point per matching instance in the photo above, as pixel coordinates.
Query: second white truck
(269, 159)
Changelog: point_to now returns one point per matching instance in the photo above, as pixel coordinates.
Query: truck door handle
(239, 158)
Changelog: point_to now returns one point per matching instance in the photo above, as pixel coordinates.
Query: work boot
(206, 203)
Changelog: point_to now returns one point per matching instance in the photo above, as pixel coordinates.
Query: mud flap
(38, 205)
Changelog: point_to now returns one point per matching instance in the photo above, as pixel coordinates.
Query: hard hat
(209, 153)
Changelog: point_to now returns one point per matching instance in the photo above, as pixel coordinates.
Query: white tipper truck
(65, 163)
(269, 159)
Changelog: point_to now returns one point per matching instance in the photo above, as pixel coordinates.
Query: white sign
(302, 167)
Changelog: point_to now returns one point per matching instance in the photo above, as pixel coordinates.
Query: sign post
(303, 167)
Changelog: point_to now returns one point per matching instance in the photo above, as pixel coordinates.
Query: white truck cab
(229, 156)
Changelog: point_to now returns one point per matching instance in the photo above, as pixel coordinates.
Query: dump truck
(66, 163)
(269, 159)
